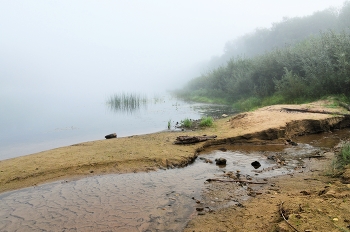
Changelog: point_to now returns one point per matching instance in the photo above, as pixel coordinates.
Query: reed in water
(127, 102)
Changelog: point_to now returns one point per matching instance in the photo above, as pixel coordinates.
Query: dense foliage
(287, 32)
(309, 69)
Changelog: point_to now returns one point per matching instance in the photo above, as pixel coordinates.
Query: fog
(100, 47)
(61, 60)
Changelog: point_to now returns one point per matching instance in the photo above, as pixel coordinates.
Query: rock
(256, 164)
(223, 149)
(111, 136)
(290, 142)
(224, 115)
(305, 193)
(220, 161)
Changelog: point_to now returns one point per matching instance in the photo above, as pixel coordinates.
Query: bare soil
(312, 201)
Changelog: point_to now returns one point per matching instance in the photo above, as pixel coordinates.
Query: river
(33, 123)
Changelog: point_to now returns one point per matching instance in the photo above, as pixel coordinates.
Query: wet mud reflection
(156, 201)
(161, 200)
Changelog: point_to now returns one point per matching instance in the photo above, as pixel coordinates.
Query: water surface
(163, 200)
(35, 123)
(154, 201)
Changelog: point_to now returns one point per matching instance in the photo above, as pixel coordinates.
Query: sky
(102, 47)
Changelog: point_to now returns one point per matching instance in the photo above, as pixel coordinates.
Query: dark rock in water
(111, 136)
(220, 161)
(223, 149)
(256, 164)
(290, 142)
(293, 143)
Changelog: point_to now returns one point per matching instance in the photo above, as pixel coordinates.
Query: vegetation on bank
(191, 124)
(342, 159)
(344, 155)
(187, 123)
(307, 70)
(206, 121)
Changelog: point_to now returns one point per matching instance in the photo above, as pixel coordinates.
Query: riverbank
(152, 151)
(311, 200)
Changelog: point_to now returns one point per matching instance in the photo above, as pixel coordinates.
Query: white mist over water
(35, 124)
(61, 60)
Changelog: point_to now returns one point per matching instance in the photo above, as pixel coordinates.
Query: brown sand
(153, 151)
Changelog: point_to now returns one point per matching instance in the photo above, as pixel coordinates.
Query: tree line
(309, 66)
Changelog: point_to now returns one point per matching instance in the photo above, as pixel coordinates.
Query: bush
(316, 67)
(206, 122)
(344, 155)
(187, 123)
(342, 160)
(247, 104)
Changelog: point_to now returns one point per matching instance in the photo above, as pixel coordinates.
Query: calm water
(35, 123)
(155, 201)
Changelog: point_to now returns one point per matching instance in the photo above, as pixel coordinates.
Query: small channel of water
(160, 200)
(156, 201)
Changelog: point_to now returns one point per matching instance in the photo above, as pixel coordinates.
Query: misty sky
(85, 46)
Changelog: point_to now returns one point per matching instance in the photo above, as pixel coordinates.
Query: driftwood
(314, 111)
(239, 181)
(285, 219)
(192, 139)
(111, 136)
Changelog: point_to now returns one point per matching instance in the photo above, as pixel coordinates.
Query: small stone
(335, 219)
(256, 164)
(220, 161)
(305, 192)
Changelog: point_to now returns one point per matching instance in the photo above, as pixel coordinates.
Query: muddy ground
(310, 200)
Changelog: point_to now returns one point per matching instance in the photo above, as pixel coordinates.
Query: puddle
(161, 200)
(164, 200)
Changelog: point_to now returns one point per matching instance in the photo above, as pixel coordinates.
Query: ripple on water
(161, 200)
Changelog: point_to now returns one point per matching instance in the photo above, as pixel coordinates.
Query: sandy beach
(150, 152)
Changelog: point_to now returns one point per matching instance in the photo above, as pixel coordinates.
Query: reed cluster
(127, 102)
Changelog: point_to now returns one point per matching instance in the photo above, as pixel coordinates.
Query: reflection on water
(67, 121)
(127, 102)
(132, 102)
(155, 201)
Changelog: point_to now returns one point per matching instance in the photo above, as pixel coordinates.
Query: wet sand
(157, 151)
(142, 152)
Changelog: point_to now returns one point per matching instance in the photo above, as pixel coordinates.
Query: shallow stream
(163, 200)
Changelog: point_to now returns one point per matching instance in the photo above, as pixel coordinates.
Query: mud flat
(268, 125)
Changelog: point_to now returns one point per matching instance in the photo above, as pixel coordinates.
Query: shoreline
(153, 151)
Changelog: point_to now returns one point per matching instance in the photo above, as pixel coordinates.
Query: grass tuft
(206, 122)
(169, 124)
(187, 123)
(344, 155)
(342, 160)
